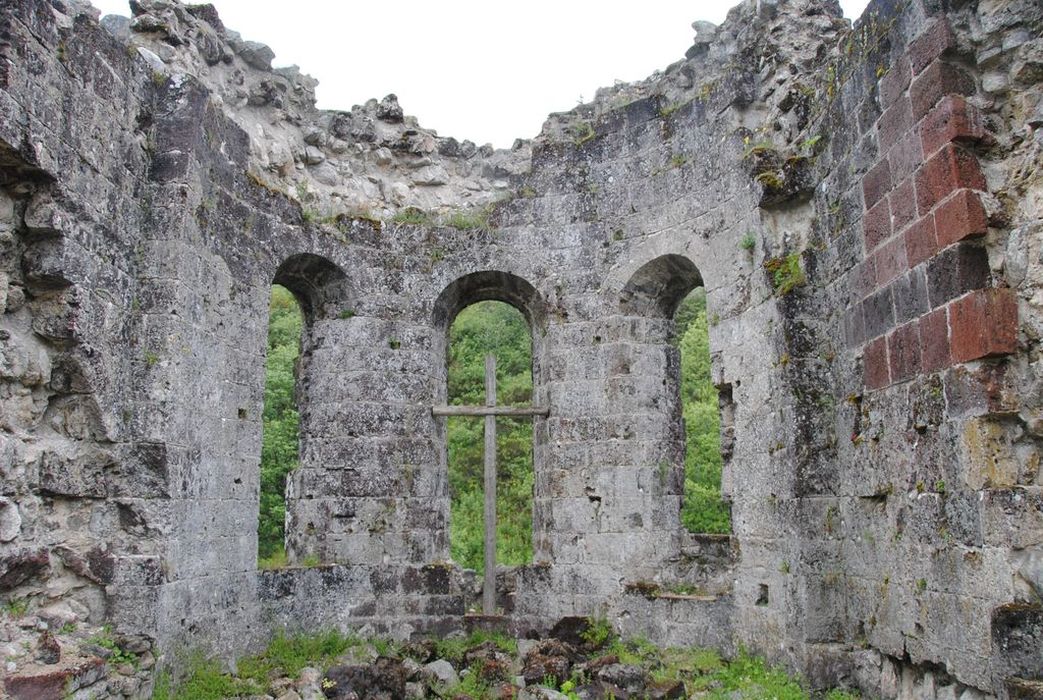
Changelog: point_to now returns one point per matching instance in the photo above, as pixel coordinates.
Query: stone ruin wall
(881, 419)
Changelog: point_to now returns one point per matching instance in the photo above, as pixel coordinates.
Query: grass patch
(452, 649)
(468, 220)
(276, 560)
(581, 132)
(105, 640)
(16, 607)
(204, 678)
(204, 681)
(413, 217)
(755, 680)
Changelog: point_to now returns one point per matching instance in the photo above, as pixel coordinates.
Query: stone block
(903, 346)
(959, 217)
(876, 224)
(879, 312)
(934, 334)
(895, 82)
(987, 462)
(920, 240)
(952, 120)
(876, 183)
(930, 45)
(1017, 638)
(983, 323)
(937, 81)
(956, 271)
(890, 261)
(947, 171)
(902, 201)
(876, 364)
(910, 295)
(894, 123)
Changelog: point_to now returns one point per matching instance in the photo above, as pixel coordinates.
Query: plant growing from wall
(786, 273)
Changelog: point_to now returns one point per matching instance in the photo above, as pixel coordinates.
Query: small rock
(527, 645)
(431, 176)
(1036, 120)
(413, 669)
(48, 651)
(422, 650)
(441, 672)
(289, 695)
(540, 692)
(309, 675)
(316, 137)
(154, 62)
(125, 685)
(58, 615)
(385, 677)
(389, 111)
(667, 690)
(10, 519)
(257, 55)
(135, 644)
(994, 82)
(550, 658)
(382, 156)
(313, 156)
(415, 691)
(326, 174)
(629, 677)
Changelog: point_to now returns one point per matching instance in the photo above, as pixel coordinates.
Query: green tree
(279, 443)
(500, 329)
(702, 509)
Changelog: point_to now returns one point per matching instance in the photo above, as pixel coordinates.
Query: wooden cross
(490, 410)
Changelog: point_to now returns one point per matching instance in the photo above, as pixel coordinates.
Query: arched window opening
(498, 328)
(671, 287)
(702, 509)
(280, 424)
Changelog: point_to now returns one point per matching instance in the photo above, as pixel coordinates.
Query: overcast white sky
(474, 69)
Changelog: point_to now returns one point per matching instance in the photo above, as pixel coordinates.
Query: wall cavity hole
(762, 595)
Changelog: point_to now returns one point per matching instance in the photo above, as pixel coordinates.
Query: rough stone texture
(876, 350)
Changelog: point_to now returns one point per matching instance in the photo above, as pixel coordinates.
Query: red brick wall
(929, 304)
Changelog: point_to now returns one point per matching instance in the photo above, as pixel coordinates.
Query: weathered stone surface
(876, 348)
(385, 678)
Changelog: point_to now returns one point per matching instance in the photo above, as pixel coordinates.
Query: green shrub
(702, 509)
(279, 442)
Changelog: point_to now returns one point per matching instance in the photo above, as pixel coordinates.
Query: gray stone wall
(885, 495)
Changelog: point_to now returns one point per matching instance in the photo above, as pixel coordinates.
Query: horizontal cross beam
(517, 411)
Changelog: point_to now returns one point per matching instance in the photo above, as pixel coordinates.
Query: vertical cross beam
(489, 585)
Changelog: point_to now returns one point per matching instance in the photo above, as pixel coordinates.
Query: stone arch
(658, 287)
(320, 285)
(490, 285)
